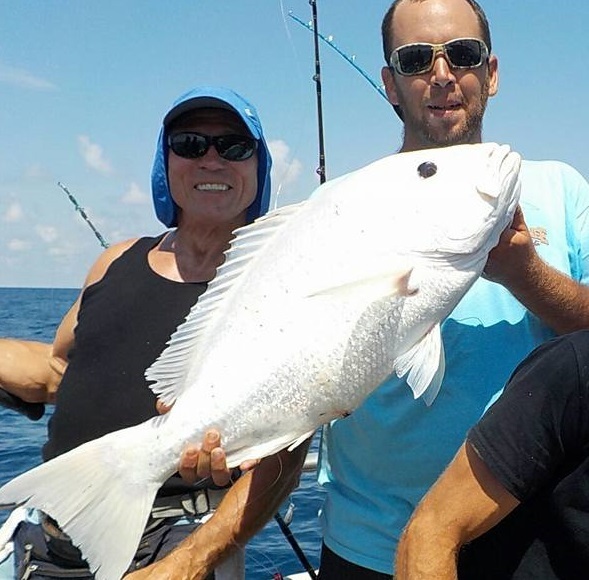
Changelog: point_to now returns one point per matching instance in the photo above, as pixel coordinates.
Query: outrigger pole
(85, 217)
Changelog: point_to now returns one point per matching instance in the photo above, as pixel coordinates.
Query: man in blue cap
(211, 174)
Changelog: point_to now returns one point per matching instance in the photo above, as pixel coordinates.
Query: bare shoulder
(105, 259)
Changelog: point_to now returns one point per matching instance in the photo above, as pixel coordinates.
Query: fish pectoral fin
(391, 283)
(425, 363)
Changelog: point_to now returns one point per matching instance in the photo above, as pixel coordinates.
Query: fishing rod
(34, 411)
(350, 60)
(317, 79)
(282, 524)
(314, 28)
(85, 217)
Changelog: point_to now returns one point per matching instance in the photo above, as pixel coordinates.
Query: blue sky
(84, 85)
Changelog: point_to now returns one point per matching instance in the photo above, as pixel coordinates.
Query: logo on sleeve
(539, 236)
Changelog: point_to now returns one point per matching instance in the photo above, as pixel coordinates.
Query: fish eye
(427, 169)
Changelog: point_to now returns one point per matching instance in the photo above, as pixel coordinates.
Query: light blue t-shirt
(377, 463)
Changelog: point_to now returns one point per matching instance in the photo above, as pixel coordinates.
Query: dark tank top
(124, 322)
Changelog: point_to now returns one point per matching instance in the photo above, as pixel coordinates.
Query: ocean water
(33, 314)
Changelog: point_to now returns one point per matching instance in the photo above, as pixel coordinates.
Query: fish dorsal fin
(425, 363)
(170, 368)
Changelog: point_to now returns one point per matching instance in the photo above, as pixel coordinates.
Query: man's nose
(442, 74)
(211, 159)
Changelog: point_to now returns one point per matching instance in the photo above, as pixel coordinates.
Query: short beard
(470, 132)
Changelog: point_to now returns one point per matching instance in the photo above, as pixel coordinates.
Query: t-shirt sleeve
(577, 221)
(542, 418)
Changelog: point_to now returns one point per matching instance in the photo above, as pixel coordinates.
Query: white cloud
(17, 245)
(93, 155)
(135, 195)
(285, 171)
(14, 213)
(36, 172)
(24, 79)
(63, 251)
(47, 233)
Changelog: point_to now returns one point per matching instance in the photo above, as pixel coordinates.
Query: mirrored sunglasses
(191, 145)
(419, 57)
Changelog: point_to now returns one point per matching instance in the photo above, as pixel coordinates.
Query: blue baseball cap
(216, 98)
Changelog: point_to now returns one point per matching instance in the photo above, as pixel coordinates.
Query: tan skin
(213, 196)
(33, 383)
(252, 500)
(465, 502)
(191, 253)
(445, 107)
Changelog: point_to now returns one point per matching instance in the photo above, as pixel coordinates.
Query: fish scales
(315, 305)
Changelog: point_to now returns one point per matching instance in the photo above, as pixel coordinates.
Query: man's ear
(493, 75)
(390, 87)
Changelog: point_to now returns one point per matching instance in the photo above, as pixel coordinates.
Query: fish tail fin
(100, 494)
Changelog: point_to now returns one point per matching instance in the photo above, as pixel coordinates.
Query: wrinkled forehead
(209, 116)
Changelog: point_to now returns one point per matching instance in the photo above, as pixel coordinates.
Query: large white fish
(315, 306)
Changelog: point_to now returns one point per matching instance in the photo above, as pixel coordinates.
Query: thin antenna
(317, 79)
(350, 60)
(81, 211)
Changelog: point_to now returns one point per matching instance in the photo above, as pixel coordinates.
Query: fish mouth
(212, 187)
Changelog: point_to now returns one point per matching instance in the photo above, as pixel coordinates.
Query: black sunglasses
(419, 57)
(191, 145)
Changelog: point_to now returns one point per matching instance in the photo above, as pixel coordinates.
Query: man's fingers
(211, 440)
(188, 464)
(249, 464)
(219, 470)
(161, 408)
(205, 460)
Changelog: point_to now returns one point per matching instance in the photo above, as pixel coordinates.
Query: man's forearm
(560, 302)
(248, 505)
(426, 555)
(465, 502)
(29, 371)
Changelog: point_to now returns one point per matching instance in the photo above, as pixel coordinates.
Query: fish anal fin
(425, 363)
(300, 440)
(247, 453)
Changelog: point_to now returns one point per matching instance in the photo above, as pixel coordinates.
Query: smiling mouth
(211, 187)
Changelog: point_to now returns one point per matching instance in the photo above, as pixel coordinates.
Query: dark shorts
(333, 567)
(41, 556)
